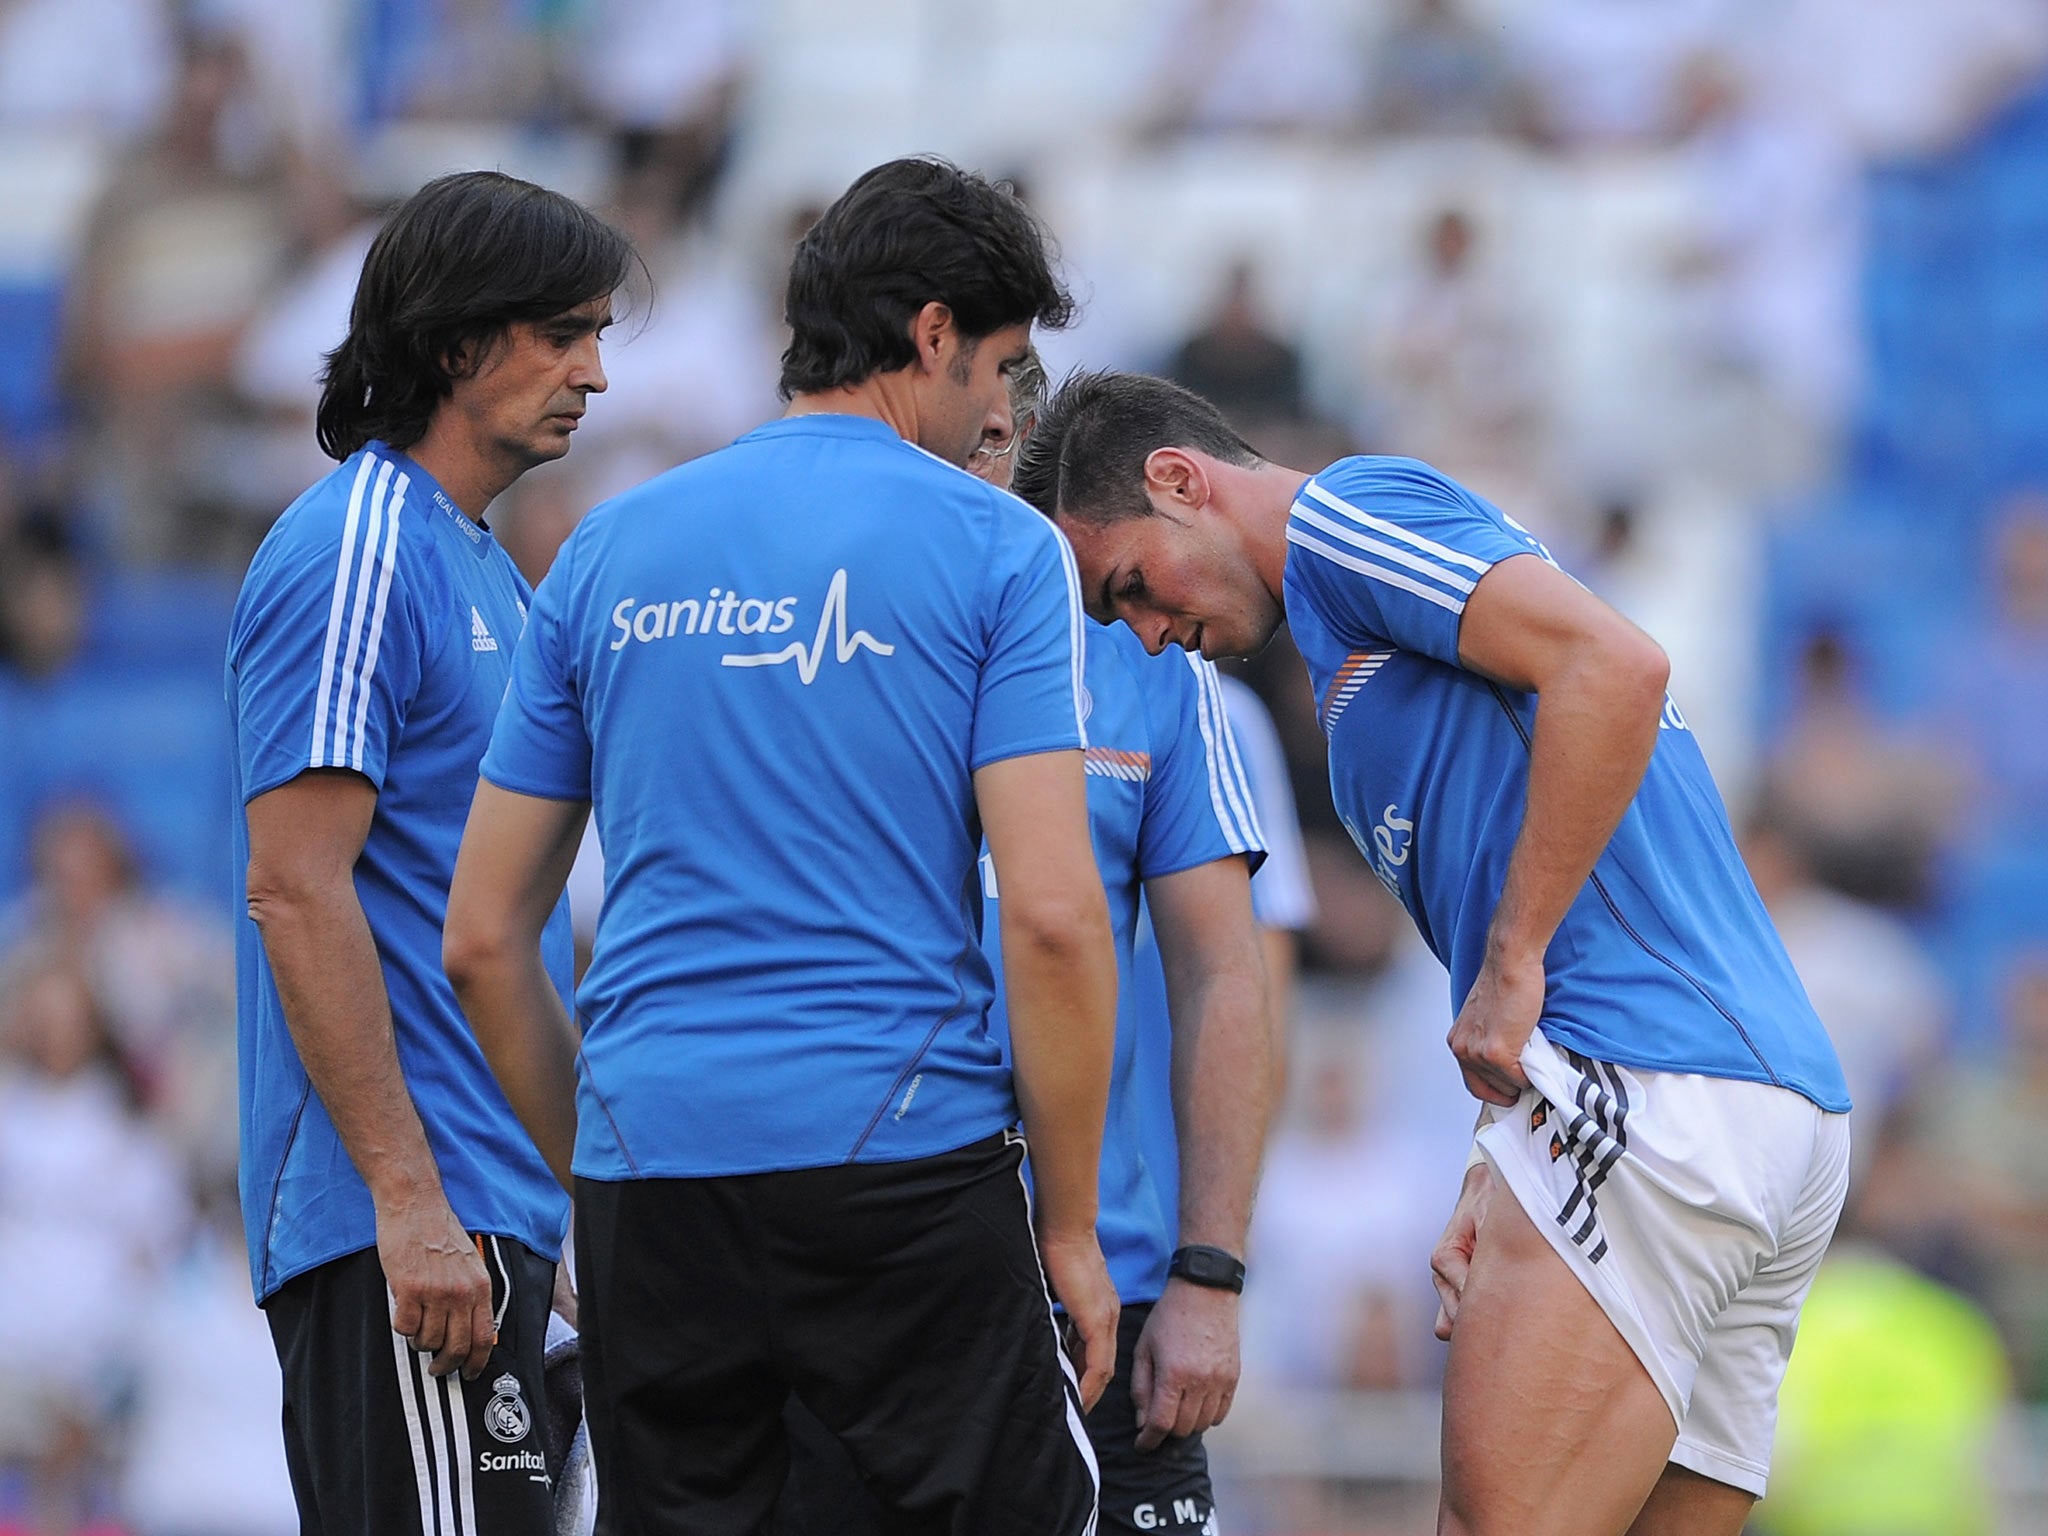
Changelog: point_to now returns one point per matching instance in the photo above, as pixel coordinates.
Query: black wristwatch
(1199, 1264)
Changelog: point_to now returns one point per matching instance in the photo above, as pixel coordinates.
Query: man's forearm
(1223, 1080)
(528, 1039)
(1062, 1000)
(331, 984)
(1596, 727)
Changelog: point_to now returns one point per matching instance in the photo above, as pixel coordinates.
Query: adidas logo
(480, 636)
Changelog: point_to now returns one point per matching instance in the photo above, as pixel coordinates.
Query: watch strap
(1200, 1264)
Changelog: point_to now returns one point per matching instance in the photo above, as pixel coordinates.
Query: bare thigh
(1552, 1427)
(1687, 1504)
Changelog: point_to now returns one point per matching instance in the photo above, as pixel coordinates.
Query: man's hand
(1184, 1371)
(440, 1290)
(1080, 1281)
(1452, 1259)
(1499, 1015)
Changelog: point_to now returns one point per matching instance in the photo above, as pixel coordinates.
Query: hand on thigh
(1551, 1423)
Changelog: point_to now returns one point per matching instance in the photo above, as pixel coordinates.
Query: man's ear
(468, 358)
(929, 329)
(1179, 476)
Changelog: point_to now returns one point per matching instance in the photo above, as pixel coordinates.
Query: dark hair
(907, 234)
(1086, 456)
(462, 259)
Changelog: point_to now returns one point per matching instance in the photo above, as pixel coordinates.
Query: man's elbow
(1652, 671)
(1634, 667)
(279, 894)
(1062, 926)
(475, 945)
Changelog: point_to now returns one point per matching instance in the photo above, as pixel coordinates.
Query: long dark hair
(462, 258)
(904, 235)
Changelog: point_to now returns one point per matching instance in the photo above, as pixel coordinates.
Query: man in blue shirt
(1172, 822)
(403, 1231)
(796, 682)
(1176, 833)
(1663, 1107)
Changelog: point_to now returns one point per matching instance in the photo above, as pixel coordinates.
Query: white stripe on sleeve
(366, 573)
(1359, 515)
(1208, 717)
(390, 563)
(1310, 542)
(1077, 632)
(1233, 763)
(1382, 550)
(341, 574)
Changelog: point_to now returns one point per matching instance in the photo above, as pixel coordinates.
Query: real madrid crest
(505, 1415)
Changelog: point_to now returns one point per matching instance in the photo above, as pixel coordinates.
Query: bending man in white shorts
(1663, 1108)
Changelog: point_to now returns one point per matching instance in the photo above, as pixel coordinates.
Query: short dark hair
(906, 234)
(1085, 458)
(460, 260)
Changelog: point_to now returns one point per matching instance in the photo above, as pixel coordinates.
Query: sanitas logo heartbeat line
(832, 619)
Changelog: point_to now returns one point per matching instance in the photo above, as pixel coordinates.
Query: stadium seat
(31, 316)
(160, 622)
(1995, 912)
(151, 749)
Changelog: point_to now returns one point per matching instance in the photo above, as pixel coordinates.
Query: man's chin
(1218, 645)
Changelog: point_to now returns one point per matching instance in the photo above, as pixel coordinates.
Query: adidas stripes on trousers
(376, 1444)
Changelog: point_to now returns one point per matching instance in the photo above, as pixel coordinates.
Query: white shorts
(1695, 1210)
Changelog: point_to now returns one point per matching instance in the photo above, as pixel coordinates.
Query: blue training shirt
(1667, 960)
(1166, 792)
(374, 632)
(774, 671)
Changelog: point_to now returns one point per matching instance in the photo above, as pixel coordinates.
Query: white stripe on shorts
(457, 1403)
(409, 1398)
(1075, 1426)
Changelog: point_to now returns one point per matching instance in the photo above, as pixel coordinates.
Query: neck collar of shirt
(476, 535)
(831, 424)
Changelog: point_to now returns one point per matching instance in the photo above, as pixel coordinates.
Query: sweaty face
(1177, 578)
(969, 395)
(525, 399)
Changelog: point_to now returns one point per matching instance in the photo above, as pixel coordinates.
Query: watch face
(1208, 1266)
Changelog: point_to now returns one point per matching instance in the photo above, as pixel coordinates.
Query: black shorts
(1164, 1489)
(902, 1303)
(374, 1443)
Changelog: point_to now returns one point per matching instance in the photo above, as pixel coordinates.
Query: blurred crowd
(1608, 261)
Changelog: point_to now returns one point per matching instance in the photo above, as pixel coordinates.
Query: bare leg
(1551, 1425)
(1687, 1504)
